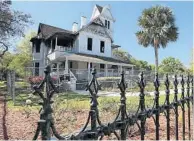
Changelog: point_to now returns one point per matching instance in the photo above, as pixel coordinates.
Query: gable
(97, 30)
(95, 13)
(106, 13)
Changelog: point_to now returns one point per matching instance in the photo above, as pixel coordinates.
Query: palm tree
(157, 29)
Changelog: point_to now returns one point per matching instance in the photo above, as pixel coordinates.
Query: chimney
(75, 27)
(83, 21)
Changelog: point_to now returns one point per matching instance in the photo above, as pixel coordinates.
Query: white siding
(83, 40)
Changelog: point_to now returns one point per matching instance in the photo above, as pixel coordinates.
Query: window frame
(36, 71)
(101, 46)
(37, 46)
(88, 43)
(102, 65)
(108, 25)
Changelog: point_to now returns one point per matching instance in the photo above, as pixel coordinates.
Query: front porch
(80, 67)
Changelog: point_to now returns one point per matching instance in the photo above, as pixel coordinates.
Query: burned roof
(48, 30)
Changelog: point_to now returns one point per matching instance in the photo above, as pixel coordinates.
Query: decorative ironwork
(46, 122)
(176, 104)
(123, 121)
(167, 107)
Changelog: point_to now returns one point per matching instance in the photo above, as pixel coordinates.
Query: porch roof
(93, 59)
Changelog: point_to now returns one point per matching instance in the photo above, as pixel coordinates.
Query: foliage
(141, 65)
(171, 65)
(125, 56)
(157, 28)
(23, 55)
(122, 55)
(191, 69)
(12, 24)
(5, 63)
(108, 78)
(35, 79)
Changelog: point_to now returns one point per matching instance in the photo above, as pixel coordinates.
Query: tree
(5, 63)
(192, 62)
(157, 29)
(23, 56)
(125, 56)
(12, 24)
(122, 55)
(171, 65)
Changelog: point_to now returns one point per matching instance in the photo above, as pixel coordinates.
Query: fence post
(94, 102)
(46, 122)
(188, 105)
(192, 90)
(122, 86)
(167, 84)
(13, 85)
(156, 85)
(93, 88)
(142, 104)
(176, 106)
(183, 104)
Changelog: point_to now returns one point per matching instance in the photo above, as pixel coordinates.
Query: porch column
(58, 71)
(88, 71)
(132, 70)
(66, 65)
(132, 73)
(106, 70)
(121, 69)
(51, 45)
(56, 47)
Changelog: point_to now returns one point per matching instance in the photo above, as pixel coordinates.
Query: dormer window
(107, 24)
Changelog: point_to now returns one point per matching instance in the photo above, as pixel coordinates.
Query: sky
(63, 13)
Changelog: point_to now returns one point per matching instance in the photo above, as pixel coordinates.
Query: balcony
(60, 51)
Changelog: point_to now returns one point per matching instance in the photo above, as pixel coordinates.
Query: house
(74, 52)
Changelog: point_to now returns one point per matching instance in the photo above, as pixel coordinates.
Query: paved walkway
(3, 130)
(106, 93)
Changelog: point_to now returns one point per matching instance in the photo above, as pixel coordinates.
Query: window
(33, 46)
(89, 43)
(106, 23)
(36, 69)
(53, 45)
(102, 46)
(70, 65)
(37, 46)
(101, 66)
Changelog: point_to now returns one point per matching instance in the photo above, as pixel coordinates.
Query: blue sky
(63, 14)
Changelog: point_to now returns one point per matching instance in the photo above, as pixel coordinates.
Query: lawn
(71, 111)
(74, 101)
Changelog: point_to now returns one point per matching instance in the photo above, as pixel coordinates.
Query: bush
(39, 79)
(108, 82)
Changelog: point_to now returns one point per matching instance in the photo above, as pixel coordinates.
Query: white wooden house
(75, 52)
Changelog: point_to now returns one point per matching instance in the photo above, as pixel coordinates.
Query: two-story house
(75, 52)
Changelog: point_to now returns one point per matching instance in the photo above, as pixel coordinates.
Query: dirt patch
(3, 128)
(22, 125)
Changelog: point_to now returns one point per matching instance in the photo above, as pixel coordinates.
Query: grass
(76, 102)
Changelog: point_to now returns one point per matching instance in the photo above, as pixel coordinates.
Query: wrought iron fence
(123, 120)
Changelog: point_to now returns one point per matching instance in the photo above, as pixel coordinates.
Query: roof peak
(99, 8)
